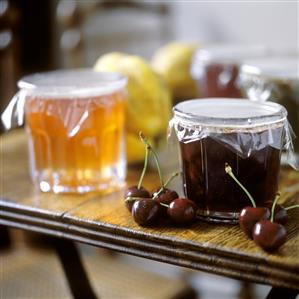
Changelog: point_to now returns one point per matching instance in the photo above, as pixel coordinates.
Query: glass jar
(216, 68)
(247, 135)
(75, 126)
(275, 79)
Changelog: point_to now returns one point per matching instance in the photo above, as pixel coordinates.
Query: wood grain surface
(105, 222)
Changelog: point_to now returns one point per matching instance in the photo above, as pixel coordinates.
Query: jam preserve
(213, 190)
(246, 135)
(220, 80)
(75, 127)
(216, 69)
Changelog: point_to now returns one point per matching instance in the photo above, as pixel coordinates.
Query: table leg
(5, 240)
(279, 293)
(246, 290)
(73, 268)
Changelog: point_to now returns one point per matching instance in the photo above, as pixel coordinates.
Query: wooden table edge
(148, 248)
(126, 232)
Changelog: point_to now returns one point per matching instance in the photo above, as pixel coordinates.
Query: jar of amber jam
(247, 135)
(216, 68)
(75, 125)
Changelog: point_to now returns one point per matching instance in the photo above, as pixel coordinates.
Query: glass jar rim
(280, 68)
(227, 113)
(230, 53)
(73, 82)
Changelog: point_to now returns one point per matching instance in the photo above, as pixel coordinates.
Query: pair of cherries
(147, 208)
(261, 224)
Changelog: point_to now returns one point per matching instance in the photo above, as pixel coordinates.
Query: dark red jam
(220, 80)
(214, 191)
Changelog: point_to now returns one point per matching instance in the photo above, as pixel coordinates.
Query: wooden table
(104, 221)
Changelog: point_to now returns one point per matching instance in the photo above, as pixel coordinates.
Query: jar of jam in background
(249, 136)
(275, 79)
(216, 68)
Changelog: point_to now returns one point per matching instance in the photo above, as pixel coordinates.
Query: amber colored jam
(76, 144)
(220, 80)
(216, 194)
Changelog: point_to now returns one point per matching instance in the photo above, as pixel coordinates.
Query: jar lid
(70, 83)
(281, 68)
(230, 53)
(229, 113)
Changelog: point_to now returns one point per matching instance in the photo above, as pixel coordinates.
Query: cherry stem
(166, 183)
(155, 157)
(164, 205)
(229, 171)
(144, 167)
(277, 196)
(291, 207)
(175, 174)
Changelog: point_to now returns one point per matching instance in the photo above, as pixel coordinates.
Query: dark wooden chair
(9, 51)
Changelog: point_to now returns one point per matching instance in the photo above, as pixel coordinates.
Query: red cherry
(269, 235)
(133, 191)
(145, 211)
(280, 214)
(182, 210)
(249, 216)
(166, 196)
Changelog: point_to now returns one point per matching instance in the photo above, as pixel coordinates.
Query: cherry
(135, 192)
(182, 210)
(145, 211)
(166, 196)
(249, 216)
(269, 235)
(280, 215)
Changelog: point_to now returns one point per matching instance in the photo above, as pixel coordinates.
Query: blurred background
(44, 35)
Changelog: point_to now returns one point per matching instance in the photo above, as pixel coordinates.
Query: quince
(173, 63)
(148, 106)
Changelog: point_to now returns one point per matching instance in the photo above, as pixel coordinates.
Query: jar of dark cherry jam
(247, 135)
(216, 68)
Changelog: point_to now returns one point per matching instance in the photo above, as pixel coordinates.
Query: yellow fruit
(109, 62)
(148, 106)
(173, 62)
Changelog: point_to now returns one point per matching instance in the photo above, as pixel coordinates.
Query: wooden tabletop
(104, 221)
